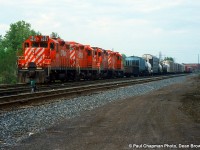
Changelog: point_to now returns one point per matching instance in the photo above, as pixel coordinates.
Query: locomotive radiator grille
(72, 58)
(109, 62)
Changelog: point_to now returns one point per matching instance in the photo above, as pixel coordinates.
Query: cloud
(138, 25)
(148, 6)
(45, 21)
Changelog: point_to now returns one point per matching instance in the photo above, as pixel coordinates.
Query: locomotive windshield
(44, 44)
(40, 44)
(35, 44)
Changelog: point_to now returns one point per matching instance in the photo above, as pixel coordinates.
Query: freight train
(47, 59)
(150, 65)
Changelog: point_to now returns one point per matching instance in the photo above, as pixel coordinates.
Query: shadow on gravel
(191, 101)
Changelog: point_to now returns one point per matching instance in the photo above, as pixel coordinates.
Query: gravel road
(22, 125)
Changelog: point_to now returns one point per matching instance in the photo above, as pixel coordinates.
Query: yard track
(73, 91)
(8, 90)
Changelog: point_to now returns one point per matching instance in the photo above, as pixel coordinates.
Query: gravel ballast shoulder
(20, 124)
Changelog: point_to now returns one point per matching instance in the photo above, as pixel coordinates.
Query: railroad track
(8, 90)
(72, 91)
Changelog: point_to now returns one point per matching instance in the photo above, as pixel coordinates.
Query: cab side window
(35, 44)
(26, 45)
(89, 53)
(43, 44)
(52, 46)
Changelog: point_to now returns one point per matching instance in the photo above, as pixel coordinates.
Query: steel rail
(25, 88)
(72, 91)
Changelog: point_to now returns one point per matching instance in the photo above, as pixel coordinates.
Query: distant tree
(10, 44)
(169, 58)
(54, 35)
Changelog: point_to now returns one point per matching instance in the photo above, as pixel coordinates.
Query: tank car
(160, 69)
(154, 61)
(136, 66)
(149, 68)
(164, 68)
(49, 59)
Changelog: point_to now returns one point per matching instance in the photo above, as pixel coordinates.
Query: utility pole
(198, 63)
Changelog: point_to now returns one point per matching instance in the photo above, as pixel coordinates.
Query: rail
(72, 91)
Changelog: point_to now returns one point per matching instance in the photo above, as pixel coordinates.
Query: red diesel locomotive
(48, 59)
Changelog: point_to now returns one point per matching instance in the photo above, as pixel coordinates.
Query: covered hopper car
(154, 61)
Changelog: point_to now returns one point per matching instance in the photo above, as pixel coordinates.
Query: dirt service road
(154, 119)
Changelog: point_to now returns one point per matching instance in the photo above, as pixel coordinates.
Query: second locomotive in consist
(50, 59)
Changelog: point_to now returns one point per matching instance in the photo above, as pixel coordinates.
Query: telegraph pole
(198, 62)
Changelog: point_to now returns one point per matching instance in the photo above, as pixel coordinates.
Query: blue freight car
(135, 66)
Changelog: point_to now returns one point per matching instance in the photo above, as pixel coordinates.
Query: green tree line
(10, 46)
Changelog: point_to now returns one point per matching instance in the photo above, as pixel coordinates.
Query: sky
(131, 27)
